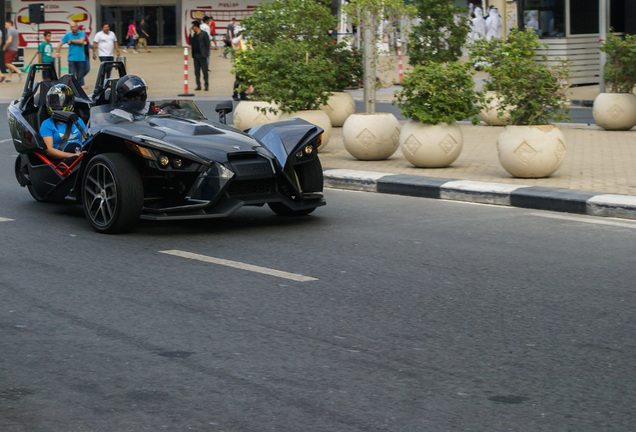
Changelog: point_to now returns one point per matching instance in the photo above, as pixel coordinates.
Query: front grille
(248, 188)
(252, 168)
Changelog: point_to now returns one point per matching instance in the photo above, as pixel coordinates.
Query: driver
(60, 98)
(133, 92)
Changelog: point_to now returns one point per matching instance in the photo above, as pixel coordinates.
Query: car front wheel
(112, 193)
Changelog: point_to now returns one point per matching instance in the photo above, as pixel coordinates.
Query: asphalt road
(376, 313)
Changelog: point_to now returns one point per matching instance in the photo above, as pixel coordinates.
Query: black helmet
(59, 98)
(131, 88)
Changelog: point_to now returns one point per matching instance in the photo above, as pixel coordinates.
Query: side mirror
(223, 109)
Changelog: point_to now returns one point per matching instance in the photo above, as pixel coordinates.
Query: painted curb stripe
(530, 197)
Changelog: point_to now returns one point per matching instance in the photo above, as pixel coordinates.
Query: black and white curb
(533, 197)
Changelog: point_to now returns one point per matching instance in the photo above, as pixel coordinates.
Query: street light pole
(603, 14)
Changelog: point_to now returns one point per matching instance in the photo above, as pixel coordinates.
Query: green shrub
(292, 60)
(347, 65)
(619, 72)
(440, 34)
(436, 93)
(531, 91)
(289, 74)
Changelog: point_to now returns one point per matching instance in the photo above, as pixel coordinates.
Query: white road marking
(240, 265)
(590, 219)
(5, 219)
(6, 140)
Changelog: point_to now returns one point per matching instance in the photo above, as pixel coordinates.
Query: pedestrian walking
(212, 25)
(10, 49)
(87, 55)
(239, 44)
(105, 45)
(45, 55)
(228, 37)
(200, 43)
(133, 36)
(143, 35)
(76, 39)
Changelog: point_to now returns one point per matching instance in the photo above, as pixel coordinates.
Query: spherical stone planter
(615, 111)
(317, 117)
(431, 146)
(489, 113)
(246, 114)
(339, 106)
(531, 151)
(373, 136)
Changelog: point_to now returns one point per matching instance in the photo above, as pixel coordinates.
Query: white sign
(58, 14)
(221, 11)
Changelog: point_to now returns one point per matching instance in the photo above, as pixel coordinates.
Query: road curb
(531, 197)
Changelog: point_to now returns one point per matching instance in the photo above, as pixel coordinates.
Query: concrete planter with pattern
(339, 107)
(371, 136)
(489, 113)
(531, 151)
(317, 117)
(247, 114)
(615, 111)
(431, 146)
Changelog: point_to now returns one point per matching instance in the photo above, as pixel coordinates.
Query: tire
(34, 194)
(311, 180)
(112, 193)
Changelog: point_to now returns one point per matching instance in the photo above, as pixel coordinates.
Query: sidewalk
(598, 175)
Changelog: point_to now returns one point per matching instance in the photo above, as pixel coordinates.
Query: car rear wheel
(311, 180)
(112, 193)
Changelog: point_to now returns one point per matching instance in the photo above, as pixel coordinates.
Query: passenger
(60, 98)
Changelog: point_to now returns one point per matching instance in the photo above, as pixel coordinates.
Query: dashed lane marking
(5, 219)
(240, 265)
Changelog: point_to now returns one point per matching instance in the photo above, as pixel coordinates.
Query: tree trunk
(369, 76)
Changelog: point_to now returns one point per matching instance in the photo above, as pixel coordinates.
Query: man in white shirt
(104, 43)
(206, 28)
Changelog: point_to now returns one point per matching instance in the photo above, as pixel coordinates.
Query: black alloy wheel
(112, 193)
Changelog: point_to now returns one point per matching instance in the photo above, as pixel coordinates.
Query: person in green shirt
(45, 52)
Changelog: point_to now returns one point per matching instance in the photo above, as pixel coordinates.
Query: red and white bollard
(185, 74)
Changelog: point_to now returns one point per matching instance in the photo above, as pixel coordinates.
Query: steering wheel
(171, 105)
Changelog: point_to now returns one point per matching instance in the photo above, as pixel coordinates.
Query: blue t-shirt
(75, 51)
(57, 130)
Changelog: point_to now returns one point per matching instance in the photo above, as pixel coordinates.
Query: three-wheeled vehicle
(163, 160)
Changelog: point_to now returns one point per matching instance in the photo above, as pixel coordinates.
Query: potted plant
(440, 89)
(288, 65)
(532, 96)
(371, 135)
(256, 111)
(616, 108)
(347, 65)
(434, 96)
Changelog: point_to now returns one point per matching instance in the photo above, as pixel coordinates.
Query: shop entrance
(161, 22)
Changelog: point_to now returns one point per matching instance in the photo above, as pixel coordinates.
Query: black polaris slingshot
(169, 163)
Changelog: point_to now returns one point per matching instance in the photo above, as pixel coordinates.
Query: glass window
(584, 17)
(545, 17)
